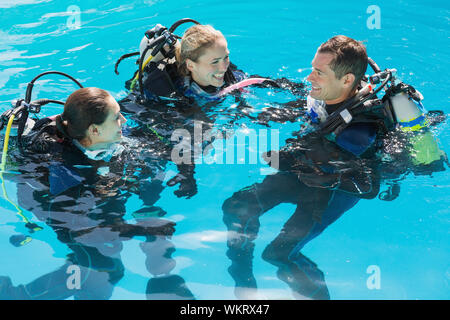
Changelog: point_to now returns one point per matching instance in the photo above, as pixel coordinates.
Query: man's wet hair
(350, 56)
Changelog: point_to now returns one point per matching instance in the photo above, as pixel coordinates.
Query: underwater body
(131, 234)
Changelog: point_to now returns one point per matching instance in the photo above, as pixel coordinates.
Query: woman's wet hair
(83, 108)
(350, 56)
(195, 41)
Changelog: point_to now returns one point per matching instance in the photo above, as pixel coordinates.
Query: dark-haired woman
(91, 121)
(91, 126)
(77, 179)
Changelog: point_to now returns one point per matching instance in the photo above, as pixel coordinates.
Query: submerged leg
(170, 287)
(159, 262)
(241, 216)
(301, 274)
(61, 284)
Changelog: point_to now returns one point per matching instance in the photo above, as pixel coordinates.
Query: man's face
(325, 85)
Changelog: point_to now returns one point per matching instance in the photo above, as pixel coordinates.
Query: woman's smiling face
(210, 67)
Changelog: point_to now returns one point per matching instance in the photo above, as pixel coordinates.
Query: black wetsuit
(324, 181)
(85, 204)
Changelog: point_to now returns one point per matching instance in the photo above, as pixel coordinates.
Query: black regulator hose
(42, 102)
(140, 71)
(31, 84)
(180, 22)
(27, 100)
(124, 57)
(373, 65)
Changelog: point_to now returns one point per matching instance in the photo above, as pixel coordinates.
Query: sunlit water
(405, 241)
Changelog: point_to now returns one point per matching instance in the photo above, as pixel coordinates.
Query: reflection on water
(86, 211)
(85, 203)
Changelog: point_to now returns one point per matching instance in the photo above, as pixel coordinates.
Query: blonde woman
(201, 67)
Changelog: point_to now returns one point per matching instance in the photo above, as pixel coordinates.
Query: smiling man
(338, 67)
(323, 175)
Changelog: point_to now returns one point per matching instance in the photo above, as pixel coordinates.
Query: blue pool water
(406, 241)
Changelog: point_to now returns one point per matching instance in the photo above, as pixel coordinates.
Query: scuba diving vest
(159, 79)
(399, 109)
(46, 137)
(355, 137)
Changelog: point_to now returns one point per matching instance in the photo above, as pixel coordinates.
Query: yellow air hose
(6, 143)
(2, 169)
(136, 77)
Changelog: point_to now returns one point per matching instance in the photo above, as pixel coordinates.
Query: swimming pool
(403, 243)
